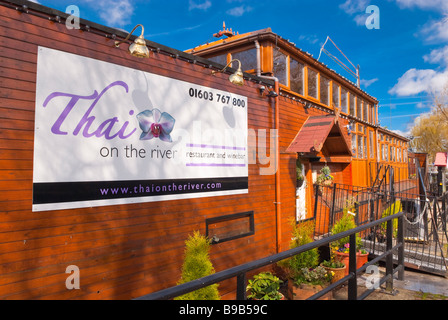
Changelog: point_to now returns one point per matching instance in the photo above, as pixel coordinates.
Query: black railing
(239, 272)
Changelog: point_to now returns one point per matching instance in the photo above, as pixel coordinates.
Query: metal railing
(239, 272)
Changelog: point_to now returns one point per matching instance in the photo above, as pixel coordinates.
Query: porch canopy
(441, 159)
(322, 136)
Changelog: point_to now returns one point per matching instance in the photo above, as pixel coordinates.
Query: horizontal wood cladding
(123, 251)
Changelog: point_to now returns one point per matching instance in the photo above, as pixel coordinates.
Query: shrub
(302, 233)
(196, 265)
(264, 286)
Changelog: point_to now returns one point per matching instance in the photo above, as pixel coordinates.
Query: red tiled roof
(441, 158)
(314, 133)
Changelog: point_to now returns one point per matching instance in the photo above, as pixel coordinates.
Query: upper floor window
(344, 100)
(312, 83)
(324, 90)
(365, 111)
(280, 67)
(335, 96)
(248, 59)
(221, 59)
(296, 76)
(352, 106)
(359, 109)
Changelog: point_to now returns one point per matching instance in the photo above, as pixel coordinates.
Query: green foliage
(325, 175)
(196, 265)
(391, 210)
(264, 286)
(332, 264)
(345, 223)
(316, 276)
(299, 174)
(302, 233)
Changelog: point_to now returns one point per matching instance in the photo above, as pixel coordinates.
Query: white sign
(107, 134)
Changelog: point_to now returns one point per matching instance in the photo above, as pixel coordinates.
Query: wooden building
(351, 142)
(120, 215)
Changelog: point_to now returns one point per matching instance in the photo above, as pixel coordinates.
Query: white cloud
(117, 12)
(200, 6)
(354, 6)
(239, 11)
(415, 81)
(437, 56)
(367, 83)
(402, 133)
(435, 30)
(357, 9)
(424, 4)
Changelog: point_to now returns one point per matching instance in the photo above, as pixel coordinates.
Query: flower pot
(304, 291)
(361, 259)
(327, 183)
(338, 273)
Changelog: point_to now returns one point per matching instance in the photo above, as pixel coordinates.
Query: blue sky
(403, 64)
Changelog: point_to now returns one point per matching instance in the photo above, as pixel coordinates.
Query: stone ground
(415, 286)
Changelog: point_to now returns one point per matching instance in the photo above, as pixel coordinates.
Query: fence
(239, 272)
(425, 221)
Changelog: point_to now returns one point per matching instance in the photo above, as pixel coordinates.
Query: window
(370, 113)
(280, 67)
(344, 100)
(222, 59)
(360, 147)
(296, 76)
(352, 104)
(335, 96)
(324, 90)
(359, 109)
(371, 146)
(365, 147)
(248, 59)
(312, 83)
(354, 145)
(365, 111)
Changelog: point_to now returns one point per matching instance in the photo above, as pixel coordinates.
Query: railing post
(332, 206)
(389, 258)
(241, 287)
(352, 282)
(400, 240)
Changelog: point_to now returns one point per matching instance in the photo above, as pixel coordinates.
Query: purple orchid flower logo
(155, 124)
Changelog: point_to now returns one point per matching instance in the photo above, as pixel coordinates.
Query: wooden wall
(122, 251)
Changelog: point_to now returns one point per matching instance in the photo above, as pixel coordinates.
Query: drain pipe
(277, 202)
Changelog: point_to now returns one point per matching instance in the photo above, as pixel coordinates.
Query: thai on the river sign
(107, 134)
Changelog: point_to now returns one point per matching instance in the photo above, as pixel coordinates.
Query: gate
(425, 217)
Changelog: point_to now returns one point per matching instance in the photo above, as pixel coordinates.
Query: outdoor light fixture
(272, 94)
(138, 48)
(235, 78)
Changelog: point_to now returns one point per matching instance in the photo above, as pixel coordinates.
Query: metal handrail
(240, 271)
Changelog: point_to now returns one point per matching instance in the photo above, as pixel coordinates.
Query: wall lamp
(138, 48)
(235, 78)
(272, 94)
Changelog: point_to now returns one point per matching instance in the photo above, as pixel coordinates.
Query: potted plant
(335, 269)
(299, 173)
(341, 247)
(196, 265)
(392, 209)
(305, 277)
(264, 286)
(325, 178)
